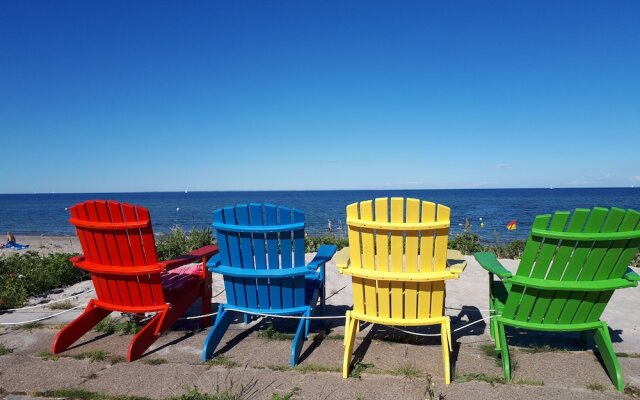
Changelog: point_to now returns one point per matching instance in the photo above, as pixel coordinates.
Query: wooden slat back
(389, 245)
(572, 259)
(243, 247)
(106, 240)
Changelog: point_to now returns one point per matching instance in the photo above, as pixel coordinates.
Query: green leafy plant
(4, 350)
(492, 380)
(359, 368)
(98, 355)
(287, 396)
(466, 243)
(306, 368)
(128, 326)
(269, 333)
(408, 371)
(178, 242)
(195, 394)
(47, 356)
(528, 382)
(79, 394)
(223, 361)
(30, 274)
(63, 305)
(279, 367)
(596, 387)
(312, 243)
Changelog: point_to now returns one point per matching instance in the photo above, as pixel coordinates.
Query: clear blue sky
(100, 96)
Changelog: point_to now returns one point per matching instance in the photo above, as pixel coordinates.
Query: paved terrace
(252, 360)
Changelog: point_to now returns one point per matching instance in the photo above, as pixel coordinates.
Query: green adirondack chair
(569, 269)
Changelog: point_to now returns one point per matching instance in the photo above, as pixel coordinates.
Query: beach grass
(30, 274)
(222, 361)
(111, 325)
(4, 350)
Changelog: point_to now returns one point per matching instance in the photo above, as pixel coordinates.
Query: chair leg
(603, 342)
(446, 345)
(307, 324)
(298, 340)
(347, 321)
(323, 297)
(145, 338)
(223, 320)
(496, 338)
(449, 334)
(492, 314)
(350, 336)
(78, 327)
(206, 300)
(506, 362)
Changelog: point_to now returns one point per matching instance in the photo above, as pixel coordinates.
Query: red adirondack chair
(120, 254)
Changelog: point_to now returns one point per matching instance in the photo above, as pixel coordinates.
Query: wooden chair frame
(119, 253)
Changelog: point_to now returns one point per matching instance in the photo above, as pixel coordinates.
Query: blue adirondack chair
(262, 260)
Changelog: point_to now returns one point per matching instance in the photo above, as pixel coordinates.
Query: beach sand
(563, 374)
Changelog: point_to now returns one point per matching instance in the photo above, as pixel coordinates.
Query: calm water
(47, 214)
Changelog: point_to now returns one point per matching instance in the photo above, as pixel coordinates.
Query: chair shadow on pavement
(323, 328)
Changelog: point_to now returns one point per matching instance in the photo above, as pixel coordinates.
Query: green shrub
(30, 274)
(178, 242)
(466, 243)
(511, 250)
(312, 243)
(111, 325)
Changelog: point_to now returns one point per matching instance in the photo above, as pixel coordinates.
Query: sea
(485, 212)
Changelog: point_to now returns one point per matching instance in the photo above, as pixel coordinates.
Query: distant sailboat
(186, 191)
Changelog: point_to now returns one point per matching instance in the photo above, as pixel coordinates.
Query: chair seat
(180, 279)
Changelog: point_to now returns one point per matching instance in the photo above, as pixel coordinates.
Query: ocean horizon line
(328, 190)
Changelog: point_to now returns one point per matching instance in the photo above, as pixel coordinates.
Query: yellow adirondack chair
(398, 260)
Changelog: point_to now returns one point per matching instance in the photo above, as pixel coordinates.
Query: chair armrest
(632, 275)
(456, 261)
(342, 259)
(324, 254)
(213, 262)
(202, 253)
(489, 262)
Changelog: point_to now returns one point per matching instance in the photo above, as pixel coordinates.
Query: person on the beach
(10, 238)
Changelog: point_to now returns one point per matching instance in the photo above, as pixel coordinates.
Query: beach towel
(15, 246)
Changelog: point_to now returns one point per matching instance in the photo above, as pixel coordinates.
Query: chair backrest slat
(298, 258)
(259, 250)
(246, 253)
(427, 245)
(382, 257)
(275, 292)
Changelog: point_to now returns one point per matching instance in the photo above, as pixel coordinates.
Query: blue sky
(106, 96)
